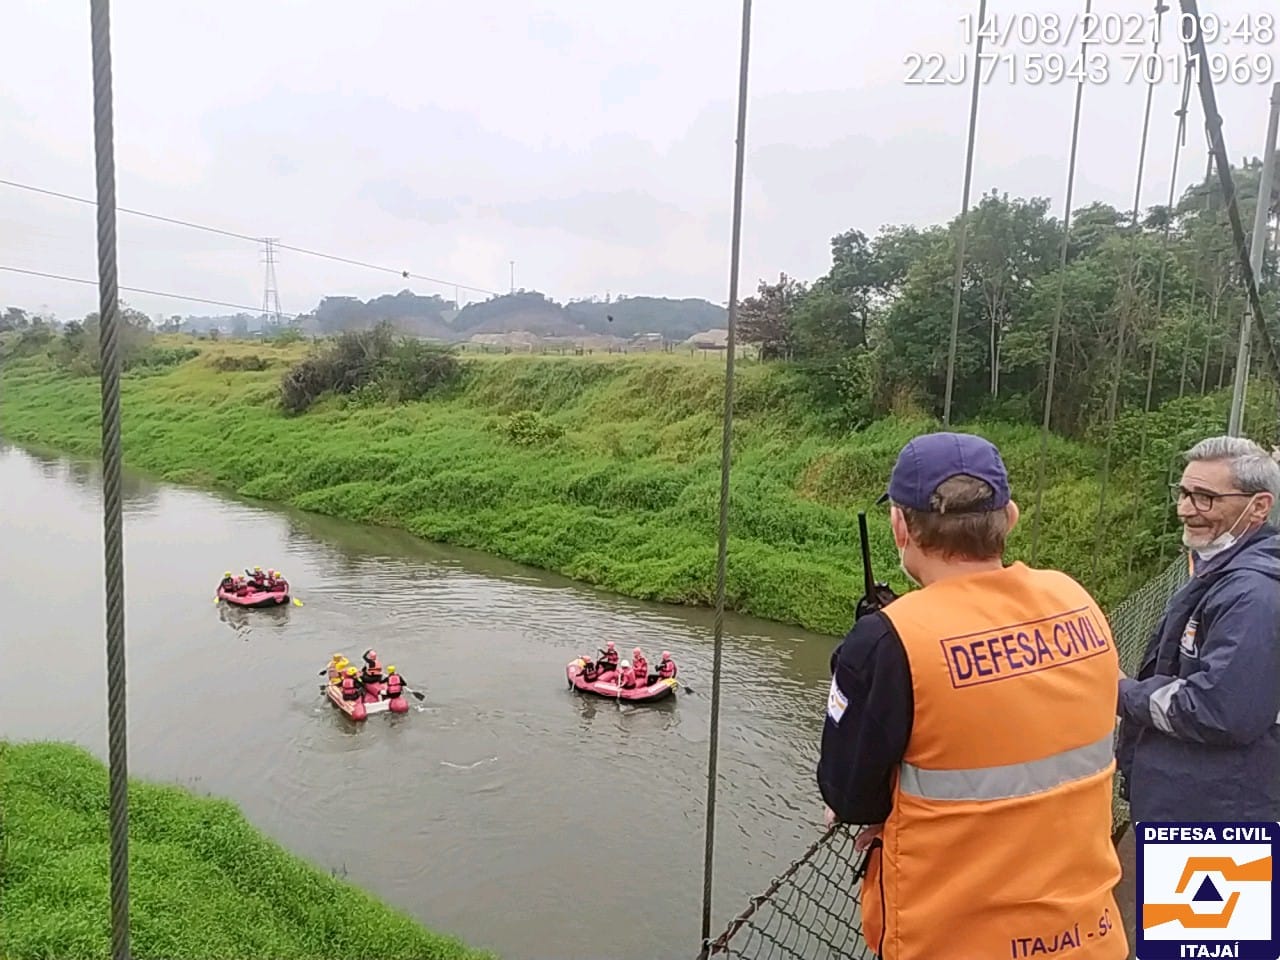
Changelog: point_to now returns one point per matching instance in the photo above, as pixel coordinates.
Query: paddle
(404, 688)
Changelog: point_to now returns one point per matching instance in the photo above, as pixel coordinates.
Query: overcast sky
(591, 142)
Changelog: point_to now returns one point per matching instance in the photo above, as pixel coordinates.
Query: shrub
(528, 428)
(159, 358)
(225, 363)
(375, 363)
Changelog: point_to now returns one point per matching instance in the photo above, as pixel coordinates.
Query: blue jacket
(1199, 734)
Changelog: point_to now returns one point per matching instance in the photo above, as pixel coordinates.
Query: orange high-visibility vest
(999, 841)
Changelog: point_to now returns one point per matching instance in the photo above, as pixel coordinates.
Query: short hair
(1252, 469)
(959, 525)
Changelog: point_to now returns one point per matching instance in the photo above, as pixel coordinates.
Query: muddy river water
(506, 809)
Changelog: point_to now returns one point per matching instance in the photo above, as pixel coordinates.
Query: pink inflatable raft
(371, 701)
(256, 598)
(658, 690)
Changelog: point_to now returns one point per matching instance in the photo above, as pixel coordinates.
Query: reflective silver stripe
(1160, 702)
(1011, 780)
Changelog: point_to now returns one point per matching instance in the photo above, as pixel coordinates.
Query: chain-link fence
(812, 910)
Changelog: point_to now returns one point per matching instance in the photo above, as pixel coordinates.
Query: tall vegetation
(1150, 311)
(374, 364)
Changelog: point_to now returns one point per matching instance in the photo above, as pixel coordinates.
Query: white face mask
(902, 564)
(1223, 541)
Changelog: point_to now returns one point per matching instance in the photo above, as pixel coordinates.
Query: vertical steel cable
(1178, 142)
(1191, 315)
(964, 218)
(1057, 310)
(112, 520)
(1218, 149)
(726, 451)
(1113, 399)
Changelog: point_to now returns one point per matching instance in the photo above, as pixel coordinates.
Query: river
(506, 809)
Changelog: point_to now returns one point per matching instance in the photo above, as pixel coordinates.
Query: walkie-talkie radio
(877, 595)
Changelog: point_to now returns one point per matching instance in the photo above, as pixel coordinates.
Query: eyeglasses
(1202, 500)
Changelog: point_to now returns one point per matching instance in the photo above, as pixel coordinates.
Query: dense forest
(1151, 308)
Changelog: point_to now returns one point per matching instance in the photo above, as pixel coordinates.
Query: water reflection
(137, 493)
(244, 622)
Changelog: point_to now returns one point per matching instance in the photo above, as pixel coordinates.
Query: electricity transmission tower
(270, 291)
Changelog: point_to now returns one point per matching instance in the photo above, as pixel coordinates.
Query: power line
(405, 274)
(153, 293)
(136, 213)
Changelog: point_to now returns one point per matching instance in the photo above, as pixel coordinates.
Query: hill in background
(526, 311)
(523, 315)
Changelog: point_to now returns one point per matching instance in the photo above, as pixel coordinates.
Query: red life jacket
(611, 658)
(667, 669)
(642, 671)
(628, 678)
(349, 689)
(394, 684)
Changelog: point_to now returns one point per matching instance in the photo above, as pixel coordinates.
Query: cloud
(401, 200)
(626, 218)
(591, 143)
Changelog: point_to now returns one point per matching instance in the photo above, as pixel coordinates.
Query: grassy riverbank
(604, 469)
(203, 882)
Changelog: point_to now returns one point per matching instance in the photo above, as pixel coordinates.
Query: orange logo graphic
(1154, 914)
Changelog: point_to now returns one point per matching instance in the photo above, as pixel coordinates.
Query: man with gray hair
(1200, 724)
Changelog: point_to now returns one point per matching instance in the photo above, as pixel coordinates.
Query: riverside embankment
(604, 470)
(204, 883)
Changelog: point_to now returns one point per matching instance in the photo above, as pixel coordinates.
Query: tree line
(1151, 307)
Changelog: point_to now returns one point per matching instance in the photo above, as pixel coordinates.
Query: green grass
(202, 881)
(606, 470)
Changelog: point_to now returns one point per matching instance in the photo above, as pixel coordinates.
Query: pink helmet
(636, 652)
(609, 645)
(666, 654)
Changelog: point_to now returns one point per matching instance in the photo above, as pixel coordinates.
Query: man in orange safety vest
(969, 730)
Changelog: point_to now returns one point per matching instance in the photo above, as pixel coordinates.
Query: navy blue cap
(929, 460)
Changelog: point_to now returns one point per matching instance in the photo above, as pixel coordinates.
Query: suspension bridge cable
(1195, 273)
(153, 293)
(1182, 113)
(112, 515)
(1057, 311)
(405, 274)
(726, 450)
(1178, 141)
(1130, 297)
(964, 218)
(1213, 122)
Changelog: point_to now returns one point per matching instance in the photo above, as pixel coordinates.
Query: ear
(1262, 507)
(899, 525)
(1013, 513)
